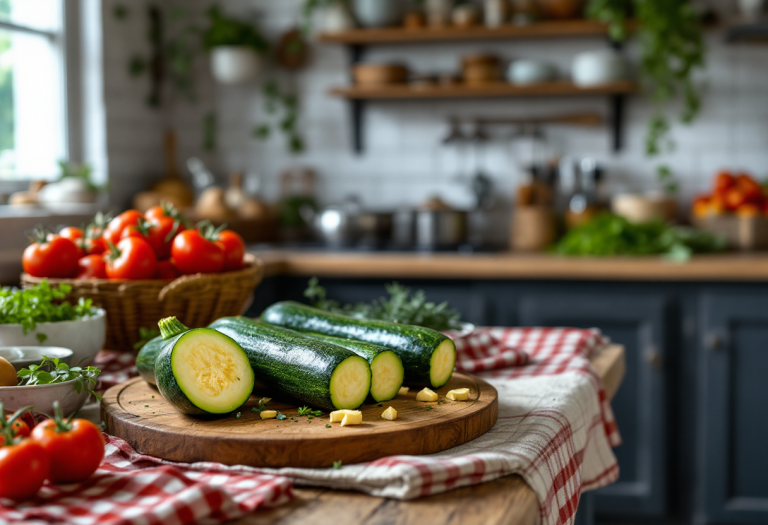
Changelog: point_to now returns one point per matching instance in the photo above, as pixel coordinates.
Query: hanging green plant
(283, 110)
(672, 49)
(228, 31)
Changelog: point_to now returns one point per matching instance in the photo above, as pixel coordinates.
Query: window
(33, 99)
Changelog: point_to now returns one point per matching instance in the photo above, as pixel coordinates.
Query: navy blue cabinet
(733, 409)
(638, 323)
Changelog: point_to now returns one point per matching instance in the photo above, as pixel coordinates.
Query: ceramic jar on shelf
(439, 12)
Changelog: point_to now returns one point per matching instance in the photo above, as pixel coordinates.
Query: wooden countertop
(505, 501)
(721, 267)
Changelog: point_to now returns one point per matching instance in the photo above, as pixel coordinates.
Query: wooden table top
(506, 265)
(505, 501)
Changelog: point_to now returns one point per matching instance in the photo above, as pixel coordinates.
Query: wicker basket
(197, 300)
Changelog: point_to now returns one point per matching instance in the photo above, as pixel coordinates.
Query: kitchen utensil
(440, 229)
(587, 199)
(378, 13)
(336, 225)
(379, 74)
(561, 9)
(197, 300)
(643, 208)
(173, 188)
(23, 356)
(42, 397)
(594, 68)
(534, 228)
(376, 228)
(481, 69)
(234, 65)
(523, 72)
(249, 441)
(85, 337)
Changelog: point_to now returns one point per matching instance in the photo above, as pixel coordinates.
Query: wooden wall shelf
(401, 35)
(500, 89)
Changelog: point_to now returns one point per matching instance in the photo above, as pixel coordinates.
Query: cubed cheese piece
(338, 415)
(460, 394)
(403, 391)
(264, 400)
(426, 395)
(389, 414)
(352, 417)
(268, 414)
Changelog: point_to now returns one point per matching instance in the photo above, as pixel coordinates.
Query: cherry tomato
(749, 187)
(234, 249)
(166, 270)
(20, 429)
(75, 449)
(92, 267)
(71, 233)
(150, 233)
(194, 253)
(165, 209)
(95, 246)
(24, 466)
(114, 231)
(734, 198)
(132, 258)
(56, 258)
(167, 228)
(723, 181)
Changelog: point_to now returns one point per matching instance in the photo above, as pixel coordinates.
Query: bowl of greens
(23, 356)
(51, 380)
(40, 315)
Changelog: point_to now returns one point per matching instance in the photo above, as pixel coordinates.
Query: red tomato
(20, 429)
(150, 233)
(734, 198)
(75, 449)
(95, 246)
(166, 229)
(166, 270)
(234, 249)
(751, 190)
(194, 253)
(723, 181)
(56, 258)
(71, 233)
(92, 267)
(132, 258)
(116, 226)
(24, 466)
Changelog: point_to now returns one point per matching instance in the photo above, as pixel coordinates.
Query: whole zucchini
(428, 356)
(387, 370)
(317, 373)
(202, 371)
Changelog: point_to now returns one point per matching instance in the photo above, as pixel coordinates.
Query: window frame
(69, 41)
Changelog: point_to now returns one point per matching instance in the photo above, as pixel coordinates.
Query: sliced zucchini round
(203, 371)
(350, 383)
(442, 363)
(387, 376)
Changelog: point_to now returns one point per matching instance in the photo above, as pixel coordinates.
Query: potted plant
(335, 16)
(236, 47)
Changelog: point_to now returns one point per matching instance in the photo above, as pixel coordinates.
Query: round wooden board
(135, 412)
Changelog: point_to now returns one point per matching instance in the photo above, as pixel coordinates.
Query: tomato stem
(7, 425)
(62, 425)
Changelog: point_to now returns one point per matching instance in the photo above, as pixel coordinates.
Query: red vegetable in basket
(71, 233)
(114, 231)
(234, 249)
(195, 251)
(132, 258)
(166, 270)
(74, 446)
(24, 463)
(92, 267)
(56, 258)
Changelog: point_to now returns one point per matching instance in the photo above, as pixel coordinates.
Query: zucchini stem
(171, 327)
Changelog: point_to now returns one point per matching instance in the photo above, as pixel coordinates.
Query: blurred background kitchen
(498, 130)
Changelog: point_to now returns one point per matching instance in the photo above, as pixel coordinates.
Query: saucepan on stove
(437, 226)
(336, 225)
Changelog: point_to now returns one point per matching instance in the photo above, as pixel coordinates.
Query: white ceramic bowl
(232, 65)
(85, 337)
(523, 72)
(598, 67)
(42, 397)
(23, 356)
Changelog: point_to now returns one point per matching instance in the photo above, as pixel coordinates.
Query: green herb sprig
(306, 411)
(41, 304)
(52, 371)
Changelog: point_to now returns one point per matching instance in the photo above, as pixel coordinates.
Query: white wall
(403, 161)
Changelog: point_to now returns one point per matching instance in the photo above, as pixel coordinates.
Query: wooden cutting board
(135, 412)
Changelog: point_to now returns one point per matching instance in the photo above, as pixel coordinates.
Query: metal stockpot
(440, 229)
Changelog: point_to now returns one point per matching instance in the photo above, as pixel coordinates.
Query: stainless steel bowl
(440, 229)
(23, 356)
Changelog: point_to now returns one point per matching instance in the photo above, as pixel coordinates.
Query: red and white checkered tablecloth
(555, 429)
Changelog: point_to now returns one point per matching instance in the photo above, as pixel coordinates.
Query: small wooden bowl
(379, 74)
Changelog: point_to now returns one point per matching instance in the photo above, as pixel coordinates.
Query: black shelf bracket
(357, 106)
(616, 120)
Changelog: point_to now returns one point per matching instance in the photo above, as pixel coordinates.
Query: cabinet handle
(654, 358)
(714, 341)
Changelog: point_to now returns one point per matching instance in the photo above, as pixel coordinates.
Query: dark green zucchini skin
(145, 360)
(166, 381)
(286, 360)
(367, 351)
(413, 344)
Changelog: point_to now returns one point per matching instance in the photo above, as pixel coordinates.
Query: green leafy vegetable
(306, 411)
(609, 234)
(337, 464)
(51, 371)
(41, 304)
(401, 307)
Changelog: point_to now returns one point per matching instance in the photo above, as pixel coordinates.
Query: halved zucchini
(202, 371)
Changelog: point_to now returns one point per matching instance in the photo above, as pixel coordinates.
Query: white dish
(523, 72)
(42, 397)
(23, 356)
(594, 68)
(85, 337)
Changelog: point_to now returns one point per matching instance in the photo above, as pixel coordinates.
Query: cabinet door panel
(639, 324)
(734, 404)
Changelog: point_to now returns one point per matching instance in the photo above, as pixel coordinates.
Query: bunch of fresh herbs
(401, 307)
(40, 304)
(609, 234)
(51, 371)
